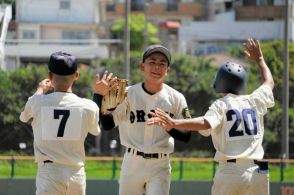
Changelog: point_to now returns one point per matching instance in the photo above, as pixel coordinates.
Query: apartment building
(5, 17)
(185, 26)
(46, 26)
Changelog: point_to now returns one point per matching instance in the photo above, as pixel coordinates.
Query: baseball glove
(114, 97)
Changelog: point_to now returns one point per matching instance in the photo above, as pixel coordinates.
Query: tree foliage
(137, 27)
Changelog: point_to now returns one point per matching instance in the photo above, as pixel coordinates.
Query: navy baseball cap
(62, 63)
(157, 48)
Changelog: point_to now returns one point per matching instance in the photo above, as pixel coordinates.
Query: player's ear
(142, 66)
(50, 75)
(76, 75)
(167, 71)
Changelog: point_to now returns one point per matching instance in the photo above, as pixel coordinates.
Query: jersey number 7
(65, 114)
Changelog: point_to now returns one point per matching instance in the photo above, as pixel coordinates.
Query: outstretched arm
(162, 119)
(253, 52)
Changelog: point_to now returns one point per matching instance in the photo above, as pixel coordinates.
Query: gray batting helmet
(230, 78)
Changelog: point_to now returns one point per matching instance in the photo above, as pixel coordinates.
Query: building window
(76, 35)
(64, 4)
(249, 2)
(172, 5)
(137, 5)
(258, 2)
(266, 2)
(110, 7)
(28, 34)
(228, 6)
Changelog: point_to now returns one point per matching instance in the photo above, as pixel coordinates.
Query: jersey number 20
(242, 116)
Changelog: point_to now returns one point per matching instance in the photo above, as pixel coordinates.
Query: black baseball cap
(157, 48)
(62, 63)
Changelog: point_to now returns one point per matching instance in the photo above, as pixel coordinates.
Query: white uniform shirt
(132, 114)
(61, 122)
(237, 126)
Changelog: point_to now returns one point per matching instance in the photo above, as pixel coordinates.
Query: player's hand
(252, 50)
(44, 86)
(162, 119)
(105, 84)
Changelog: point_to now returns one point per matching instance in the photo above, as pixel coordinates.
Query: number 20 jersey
(61, 122)
(237, 124)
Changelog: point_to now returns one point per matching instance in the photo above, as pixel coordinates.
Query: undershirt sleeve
(106, 121)
(180, 135)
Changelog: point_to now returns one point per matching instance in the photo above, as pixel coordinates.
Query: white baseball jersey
(132, 114)
(237, 124)
(61, 122)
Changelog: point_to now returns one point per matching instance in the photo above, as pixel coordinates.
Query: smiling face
(155, 68)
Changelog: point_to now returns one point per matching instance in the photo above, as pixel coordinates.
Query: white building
(212, 36)
(228, 28)
(46, 26)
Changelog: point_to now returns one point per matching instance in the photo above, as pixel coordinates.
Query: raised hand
(105, 84)
(44, 86)
(252, 50)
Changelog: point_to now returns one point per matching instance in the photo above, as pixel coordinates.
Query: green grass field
(104, 170)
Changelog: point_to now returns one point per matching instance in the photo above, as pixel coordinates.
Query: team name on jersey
(140, 116)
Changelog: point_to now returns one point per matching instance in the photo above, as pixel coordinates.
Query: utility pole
(146, 24)
(285, 118)
(127, 40)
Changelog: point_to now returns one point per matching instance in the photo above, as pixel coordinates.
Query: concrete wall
(110, 187)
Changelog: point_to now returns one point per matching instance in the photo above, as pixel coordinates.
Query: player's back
(241, 129)
(61, 122)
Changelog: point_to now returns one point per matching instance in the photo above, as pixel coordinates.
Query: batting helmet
(230, 78)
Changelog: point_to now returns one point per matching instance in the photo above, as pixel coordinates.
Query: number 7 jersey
(237, 125)
(61, 121)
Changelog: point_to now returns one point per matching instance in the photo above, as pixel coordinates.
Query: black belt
(263, 165)
(47, 161)
(147, 155)
(235, 160)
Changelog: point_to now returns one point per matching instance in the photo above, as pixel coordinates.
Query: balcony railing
(62, 41)
(259, 12)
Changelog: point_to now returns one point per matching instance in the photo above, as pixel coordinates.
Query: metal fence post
(12, 166)
(181, 167)
(113, 168)
(281, 170)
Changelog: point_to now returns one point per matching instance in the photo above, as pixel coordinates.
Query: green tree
(137, 26)
(16, 86)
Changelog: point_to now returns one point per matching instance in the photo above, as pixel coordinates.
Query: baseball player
(146, 163)
(235, 123)
(61, 121)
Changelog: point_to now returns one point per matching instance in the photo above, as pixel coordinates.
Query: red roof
(170, 25)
